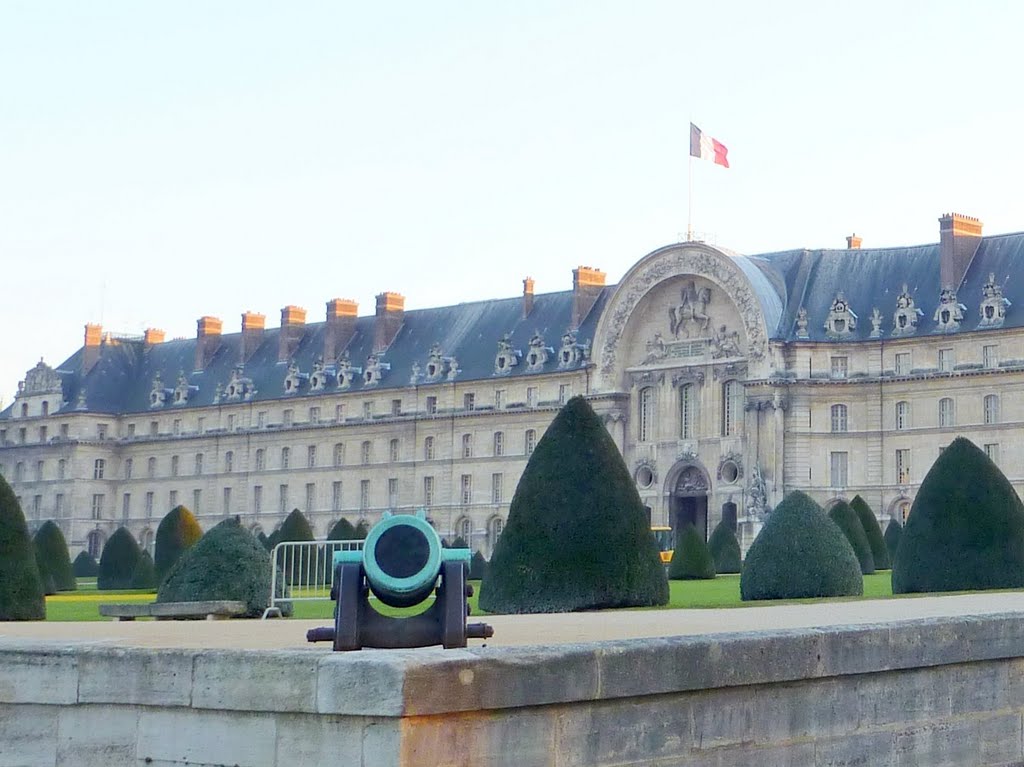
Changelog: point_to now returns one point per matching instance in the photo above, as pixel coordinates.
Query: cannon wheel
(453, 604)
(348, 580)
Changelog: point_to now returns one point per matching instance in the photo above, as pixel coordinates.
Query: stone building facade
(726, 380)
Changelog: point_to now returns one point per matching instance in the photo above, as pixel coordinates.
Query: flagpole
(689, 202)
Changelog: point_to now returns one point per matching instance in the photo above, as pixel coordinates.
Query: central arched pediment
(694, 299)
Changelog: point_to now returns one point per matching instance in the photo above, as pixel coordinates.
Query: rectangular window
(336, 495)
(131, 430)
(287, 418)
(530, 442)
(172, 498)
(903, 364)
(366, 452)
(531, 396)
(42, 434)
(154, 428)
(199, 464)
(98, 467)
(468, 401)
(467, 445)
(39, 471)
(261, 459)
(645, 421)
(496, 488)
(396, 407)
(126, 506)
(197, 501)
(364, 494)
(129, 464)
(368, 410)
(65, 431)
(286, 457)
(201, 425)
(838, 418)
(428, 491)
(339, 412)
(564, 393)
(339, 454)
(467, 489)
(227, 501)
(62, 468)
(231, 423)
(314, 415)
(229, 461)
(499, 443)
(992, 451)
(393, 451)
(97, 506)
(101, 431)
(687, 411)
(149, 504)
(838, 468)
(499, 399)
(945, 360)
(991, 409)
(990, 356)
(431, 405)
(310, 497)
(311, 456)
(176, 427)
(282, 499)
(58, 505)
(428, 449)
(37, 506)
(174, 465)
(839, 367)
(261, 419)
(257, 498)
(903, 466)
(393, 492)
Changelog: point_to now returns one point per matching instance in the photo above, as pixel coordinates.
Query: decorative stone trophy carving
(993, 304)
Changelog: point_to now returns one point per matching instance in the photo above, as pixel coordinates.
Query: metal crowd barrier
(301, 571)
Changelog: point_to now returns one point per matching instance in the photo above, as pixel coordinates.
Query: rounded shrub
(178, 531)
(226, 563)
(800, 553)
(53, 559)
(21, 589)
(893, 533)
(873, 532)
(848, 521)
(342, 530)
(577, 536)
(118, 561)
(477, 566)
(725, 549)
(965, 530)
(85, 566)
(691, 560)
(144, 576)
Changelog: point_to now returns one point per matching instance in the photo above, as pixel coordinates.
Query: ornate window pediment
(435, 364)
(375, 369)
(321, 377)
(993, 304)
(239, 385)
(183, 391)
(841, 321)
(571, 353)
(691, 480)
(294, 380)
(949, 313)
(906, 316)
(507, 357)
(42, 379)
(158, 393)
(538, 354)
(346, 371)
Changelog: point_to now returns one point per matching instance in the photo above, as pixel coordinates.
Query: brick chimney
(293, 323)
(208, 331)
(527, 297)
(153, 336)
(587, 283)
(252, 334)
(91, 347)
(340, 327)
(959, 237)
(853, 242)
(390, 313)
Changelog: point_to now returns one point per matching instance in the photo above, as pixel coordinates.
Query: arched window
(946, 415)
(24, 410)
(530, 442)
(467, 445)
(494, 528)
(151, 468)
(339, 454)
(146, 540)
(261, 459)
(732, 407)
(499, 443)
(393, 451)
(687, 411)
(286, 457)
(94, 544)
(645, 415)
(466, 531)
(46, 407)
(902, 415)
(365, 452)
(198, 464)
(428, 449)
(839, 418)
(992, 408)
(229, 462)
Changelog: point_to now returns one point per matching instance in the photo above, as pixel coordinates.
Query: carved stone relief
(239, 386)
(906, 316)
(841, 320)
(507, 357)
(690, 315)
(949, 313)
(435, 364)
(691, 480)
(42, 379)
(320, 378)
(571, 354)
(294, 379)
(876, 323)
(538, 354)
(346, 371)
(158, 394)
(375, 369)
(993, 304)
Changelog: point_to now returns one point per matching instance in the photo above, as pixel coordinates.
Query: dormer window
(158, 394)
(537, 356)
(841, 320)
(294, 380)
(571, 353)
(507, 357)
(320, 378)
(346, 371)
(993, 304)
(949, 313)
(375, 369)
(183, 391)
(904, 319)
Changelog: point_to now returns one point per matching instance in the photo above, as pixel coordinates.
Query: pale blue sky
(159, 162)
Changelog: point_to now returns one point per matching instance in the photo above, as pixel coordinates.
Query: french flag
(707, 148)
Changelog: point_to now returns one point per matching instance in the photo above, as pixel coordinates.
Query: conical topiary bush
(362, 529)
(178, 531)
(725, 549)
(844, 516)
(226, 563)
(298, 565)
(691, 559)
(800, 553)
(118, 561)
(21, 590)
(477, 566)
(342, 530)
(53, 559)
(85, 566)
(872, 531)
(893, 533)
(577, 536)
(144, 576)
(965, 530)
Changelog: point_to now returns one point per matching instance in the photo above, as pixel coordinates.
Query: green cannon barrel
(402, 558)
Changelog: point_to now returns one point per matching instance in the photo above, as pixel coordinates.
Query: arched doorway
(688, 500)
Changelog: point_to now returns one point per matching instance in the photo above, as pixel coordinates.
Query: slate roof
(122, 379)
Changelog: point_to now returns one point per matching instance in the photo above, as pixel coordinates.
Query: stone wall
(923, 692)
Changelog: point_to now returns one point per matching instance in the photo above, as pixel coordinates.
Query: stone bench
(211, 610)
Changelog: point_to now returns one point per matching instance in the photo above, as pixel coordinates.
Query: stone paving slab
(518, 630)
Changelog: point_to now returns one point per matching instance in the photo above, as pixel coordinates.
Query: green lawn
(723, 591)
